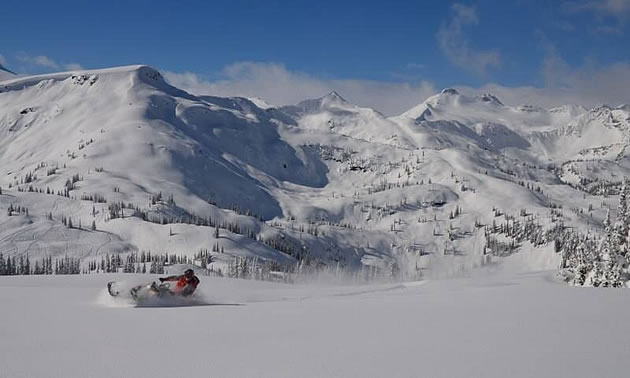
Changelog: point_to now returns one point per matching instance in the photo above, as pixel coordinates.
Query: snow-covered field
(490, 324)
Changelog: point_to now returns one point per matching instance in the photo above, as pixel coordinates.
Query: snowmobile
(142, 292)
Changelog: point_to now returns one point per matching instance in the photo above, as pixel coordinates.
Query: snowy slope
(558, 134)
(111, 117)
(129, 135)
(450, 105)
(333, 114)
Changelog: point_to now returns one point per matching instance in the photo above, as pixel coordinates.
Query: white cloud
(554, 68)
(415, 66)
(563, 25)
(73, 67)
(455, 45)
(42, 61)
(38, 60)
(279, 86)
(610, 29)
(589, 85)
(3, 61)
(45, 61)
(617, 8)
(604, 10)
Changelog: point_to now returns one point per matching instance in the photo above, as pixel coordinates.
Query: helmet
(189, 272)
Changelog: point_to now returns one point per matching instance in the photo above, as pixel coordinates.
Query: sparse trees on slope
(9, 267)
(623, 218)
(596, 274)
(581, 271)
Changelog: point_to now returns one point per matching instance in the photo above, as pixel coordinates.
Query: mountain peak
(527, 108)
(140, 73)
(446, 97)
(449, 91)
(334, 96)
(261, 103)
(625, 107)
(331, 100)
(601, 108)
(489, 98)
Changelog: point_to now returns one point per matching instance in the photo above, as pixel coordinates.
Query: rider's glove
(161, 279)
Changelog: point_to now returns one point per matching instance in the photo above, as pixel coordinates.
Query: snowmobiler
(185, 285)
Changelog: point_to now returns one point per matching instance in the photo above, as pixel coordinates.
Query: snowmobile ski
(140, 292)
(111, 289)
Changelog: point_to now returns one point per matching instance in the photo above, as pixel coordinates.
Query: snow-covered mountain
(333, 114)
(144, 166)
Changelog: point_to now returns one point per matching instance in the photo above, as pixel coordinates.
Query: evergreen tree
(607, 253)
(9, 268)
(581, 268)
(596, 277)
(580, 274)
(622, 226)
(615, 277)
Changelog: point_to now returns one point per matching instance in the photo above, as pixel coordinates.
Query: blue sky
(435, 44)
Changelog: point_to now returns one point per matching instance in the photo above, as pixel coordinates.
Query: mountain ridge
(372, 190)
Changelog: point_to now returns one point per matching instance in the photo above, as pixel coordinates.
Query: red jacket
(184, 286)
